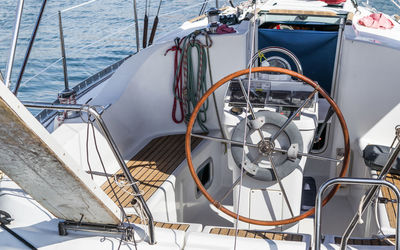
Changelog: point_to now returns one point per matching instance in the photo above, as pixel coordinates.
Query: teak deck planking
(391, 207)
(151, 167)
(256, 234)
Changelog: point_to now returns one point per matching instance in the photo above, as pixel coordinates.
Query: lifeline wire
(95, 42)
(79, 5)
(45, 69)
(246, 119)
(397, 5)
(180, 10)
(55, 14)
(79, 49)
(74, 7)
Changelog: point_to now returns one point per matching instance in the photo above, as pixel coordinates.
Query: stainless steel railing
(352, 181)
(100, 122)
(372, 191)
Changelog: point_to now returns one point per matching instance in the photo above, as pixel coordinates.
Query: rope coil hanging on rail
(190, 84)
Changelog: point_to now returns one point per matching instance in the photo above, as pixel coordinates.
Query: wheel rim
(226, 79)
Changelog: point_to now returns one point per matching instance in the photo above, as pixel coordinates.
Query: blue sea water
(96, 35)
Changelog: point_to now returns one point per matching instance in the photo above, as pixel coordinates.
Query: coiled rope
(190, 84)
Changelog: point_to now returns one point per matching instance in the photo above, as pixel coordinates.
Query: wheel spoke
(290, 119)
(280, 185)
(316, 157)
(230, 189)
(253, 115)
(212, 138)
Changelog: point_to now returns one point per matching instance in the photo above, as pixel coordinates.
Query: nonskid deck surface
(151, 167)
(257, 234)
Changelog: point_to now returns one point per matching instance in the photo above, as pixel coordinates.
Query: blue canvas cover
(315, 50)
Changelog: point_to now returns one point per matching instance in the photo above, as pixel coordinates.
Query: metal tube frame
(100, 122)
(17, 24)
(352, 181)
(371, 192)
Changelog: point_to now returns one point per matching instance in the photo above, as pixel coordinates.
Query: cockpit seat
(376, 156)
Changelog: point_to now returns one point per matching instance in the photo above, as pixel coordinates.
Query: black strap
(18, 237)
(5, 219)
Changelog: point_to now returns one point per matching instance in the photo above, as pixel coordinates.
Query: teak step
(257, 234)
(391, 207)
(152, 166)
(177, 226)
(364, 242)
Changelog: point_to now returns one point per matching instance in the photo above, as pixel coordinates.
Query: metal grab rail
(353, 181)
(100, 122)
(372, 191)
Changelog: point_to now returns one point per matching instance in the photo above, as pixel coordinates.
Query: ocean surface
(97, 34)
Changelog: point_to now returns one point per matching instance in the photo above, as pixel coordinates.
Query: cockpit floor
(150, 167)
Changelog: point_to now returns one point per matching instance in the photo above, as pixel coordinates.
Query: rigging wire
(79, 49)
(213, 94)
(97, 41)
(394, 2)
(48, 17)
(42, 71)
(127, 232)
(246, 121)
(79, 5)
(181, 9)
(29, 48)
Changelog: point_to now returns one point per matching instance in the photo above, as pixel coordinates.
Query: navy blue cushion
(315, 49)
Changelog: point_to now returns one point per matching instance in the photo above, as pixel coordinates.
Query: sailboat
(263, 125)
